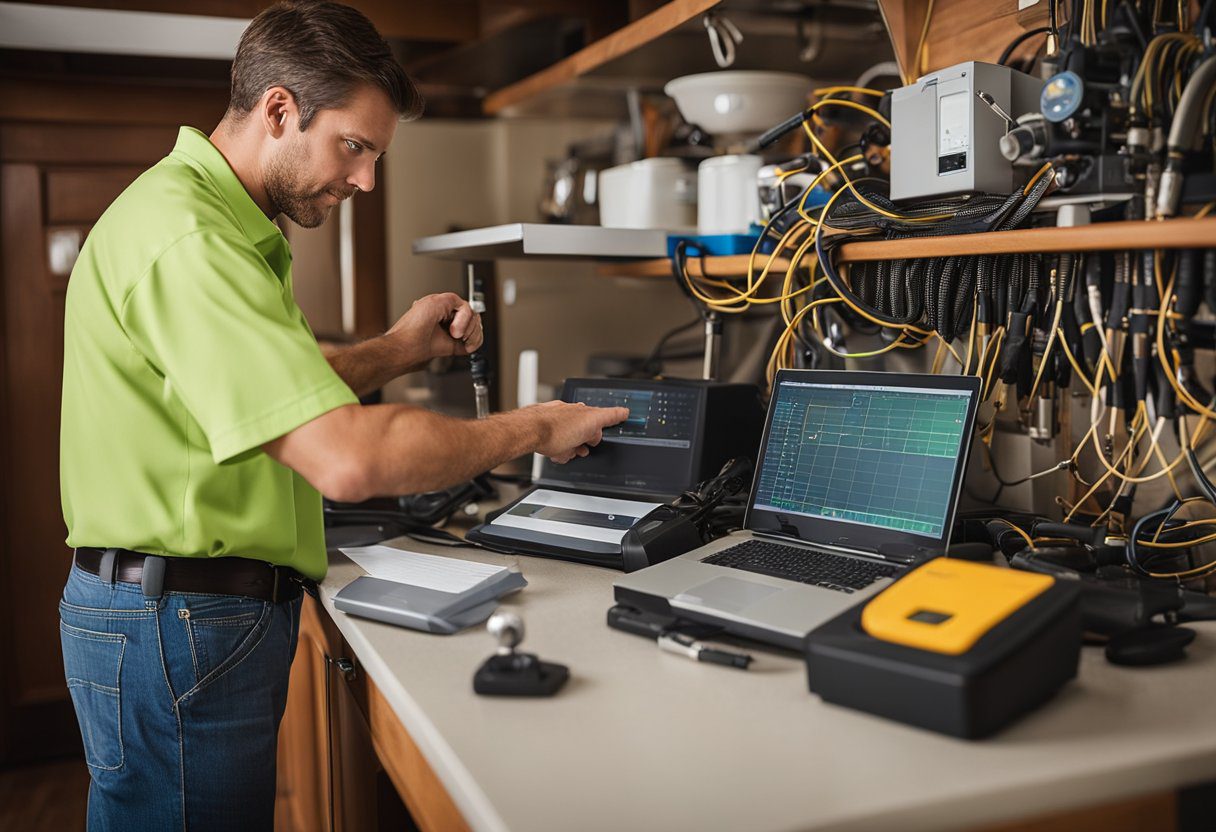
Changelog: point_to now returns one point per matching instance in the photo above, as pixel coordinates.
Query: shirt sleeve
(216, 321)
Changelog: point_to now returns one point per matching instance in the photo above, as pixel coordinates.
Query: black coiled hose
(938, 293)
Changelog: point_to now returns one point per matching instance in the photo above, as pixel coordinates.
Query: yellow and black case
(953, 646)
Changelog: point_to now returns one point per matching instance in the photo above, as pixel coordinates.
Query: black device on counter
(678, 434)
(955, 647)
(607, 508)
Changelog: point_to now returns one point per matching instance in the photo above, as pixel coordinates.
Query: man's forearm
(353, 453)
(408, 450)
(370, 364)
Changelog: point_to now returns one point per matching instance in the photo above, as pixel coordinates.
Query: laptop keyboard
(806, 566)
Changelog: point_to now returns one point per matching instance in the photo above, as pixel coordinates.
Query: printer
(679, 433)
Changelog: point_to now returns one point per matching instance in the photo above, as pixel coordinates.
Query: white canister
(649, 193)
(728, 194)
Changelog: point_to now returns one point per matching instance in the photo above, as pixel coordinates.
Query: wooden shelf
(1109, 236)
(626, 39)
(728, 266)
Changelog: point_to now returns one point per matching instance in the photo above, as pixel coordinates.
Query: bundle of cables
(943, 296)
(1119, 324)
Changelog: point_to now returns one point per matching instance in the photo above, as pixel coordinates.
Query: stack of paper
(424, 592)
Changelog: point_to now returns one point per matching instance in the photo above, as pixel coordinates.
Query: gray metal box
(945, 139)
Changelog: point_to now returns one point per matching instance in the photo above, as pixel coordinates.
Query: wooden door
(66, 151)
(44, 204)
(60, 167)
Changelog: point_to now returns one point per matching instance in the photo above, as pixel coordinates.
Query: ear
(277, 110)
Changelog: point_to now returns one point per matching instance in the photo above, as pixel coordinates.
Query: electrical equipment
(603, 508)
(679, 432)
(956, 647)
(1102, 358)
(858, 477)
(946, 130)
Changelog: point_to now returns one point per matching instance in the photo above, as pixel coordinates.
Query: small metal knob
(508, 628)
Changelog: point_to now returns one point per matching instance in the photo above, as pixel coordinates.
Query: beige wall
(441, 174)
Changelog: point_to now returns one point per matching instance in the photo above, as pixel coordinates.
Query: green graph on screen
(882, 457)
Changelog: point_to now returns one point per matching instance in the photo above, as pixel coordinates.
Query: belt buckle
(274, 589)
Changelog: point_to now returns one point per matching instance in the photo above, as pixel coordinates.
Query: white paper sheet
(607, 506)
(416, 569)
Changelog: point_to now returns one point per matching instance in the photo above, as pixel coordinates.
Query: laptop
(857, 481)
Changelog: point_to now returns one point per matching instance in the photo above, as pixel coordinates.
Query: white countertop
(646, 740)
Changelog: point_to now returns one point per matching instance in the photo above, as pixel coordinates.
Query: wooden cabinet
(345, 761)
(329, 777)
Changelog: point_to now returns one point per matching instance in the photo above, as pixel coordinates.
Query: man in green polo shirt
(200, 421)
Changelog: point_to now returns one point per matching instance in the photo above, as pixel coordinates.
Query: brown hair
(320, 51)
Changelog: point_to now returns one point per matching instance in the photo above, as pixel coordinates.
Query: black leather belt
(212, 576)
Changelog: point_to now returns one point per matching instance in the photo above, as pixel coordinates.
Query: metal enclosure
(945, 138)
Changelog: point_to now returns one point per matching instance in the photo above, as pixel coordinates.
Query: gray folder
(424, 609)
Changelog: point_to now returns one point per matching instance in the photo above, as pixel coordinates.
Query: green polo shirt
(185, 352)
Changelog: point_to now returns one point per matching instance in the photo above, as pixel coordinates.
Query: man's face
(310, 172)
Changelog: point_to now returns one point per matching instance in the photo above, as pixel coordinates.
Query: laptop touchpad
(727, 594)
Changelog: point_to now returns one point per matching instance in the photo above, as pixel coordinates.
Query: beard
(289, 196)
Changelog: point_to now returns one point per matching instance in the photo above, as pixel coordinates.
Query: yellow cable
(939, 356)
(950, 349)
(730, 303)
(1124, 477)
(1127, 450)
(822, 91)
(1023, 534)
(1184, 396)
(1051, 340)
(998, 338)
(853, 105)
(971, 336)
(849, 183)
(891, 346)
(857, 157)
(1046, 167)
(916, 58)
(785, 336)
(1076, 367)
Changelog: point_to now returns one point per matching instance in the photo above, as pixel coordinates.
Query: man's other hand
(437, 326)
(573, 429)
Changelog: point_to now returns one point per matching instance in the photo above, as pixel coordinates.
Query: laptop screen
(864, 460)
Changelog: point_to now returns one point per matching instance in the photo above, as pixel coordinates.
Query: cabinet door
(304, 753)
(328, 772)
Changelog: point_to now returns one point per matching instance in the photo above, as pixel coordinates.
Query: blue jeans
(179, 700)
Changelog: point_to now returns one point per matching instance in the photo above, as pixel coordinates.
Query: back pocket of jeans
(92, 662)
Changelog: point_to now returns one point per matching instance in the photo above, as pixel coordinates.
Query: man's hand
(573, 429)
(436, 326)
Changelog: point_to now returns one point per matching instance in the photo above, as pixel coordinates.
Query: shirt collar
(196, 150)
